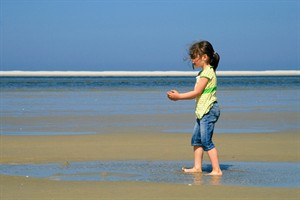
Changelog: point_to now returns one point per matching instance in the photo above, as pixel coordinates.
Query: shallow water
(82, 105)
(39, 113)
(259, 174)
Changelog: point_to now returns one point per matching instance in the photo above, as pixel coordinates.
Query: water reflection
(270, 174)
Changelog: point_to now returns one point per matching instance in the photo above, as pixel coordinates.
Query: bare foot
(215, 173)
(191, 170)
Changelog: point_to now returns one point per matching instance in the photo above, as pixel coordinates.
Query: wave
(143, 73)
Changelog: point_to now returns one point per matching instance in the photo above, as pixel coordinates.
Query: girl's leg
(207, 125)
(213, 156)
(198, 157)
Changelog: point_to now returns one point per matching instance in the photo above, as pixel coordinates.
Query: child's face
(199, 61)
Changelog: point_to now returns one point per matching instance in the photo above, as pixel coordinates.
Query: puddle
(258, 174)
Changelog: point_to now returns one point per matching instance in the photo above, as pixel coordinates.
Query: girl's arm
(199, 87)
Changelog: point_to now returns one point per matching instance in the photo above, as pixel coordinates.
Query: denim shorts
(204, 129)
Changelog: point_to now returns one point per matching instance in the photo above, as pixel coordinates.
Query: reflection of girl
(207, 111)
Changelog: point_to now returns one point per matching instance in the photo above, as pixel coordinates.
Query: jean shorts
(204, 129)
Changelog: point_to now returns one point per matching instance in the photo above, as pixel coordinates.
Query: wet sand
(281, 147)
(131, 145)
(28, 188)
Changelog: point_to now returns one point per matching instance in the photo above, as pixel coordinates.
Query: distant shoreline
(142, 73)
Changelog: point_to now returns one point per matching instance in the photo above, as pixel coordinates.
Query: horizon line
(19, 73)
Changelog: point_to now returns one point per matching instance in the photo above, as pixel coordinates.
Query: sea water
(29, 105)
(270, 174)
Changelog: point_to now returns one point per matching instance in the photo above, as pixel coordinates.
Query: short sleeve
(207, 74)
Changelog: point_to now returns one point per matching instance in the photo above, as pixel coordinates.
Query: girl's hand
(173, 95)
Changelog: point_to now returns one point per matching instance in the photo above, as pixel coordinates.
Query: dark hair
(204, 47)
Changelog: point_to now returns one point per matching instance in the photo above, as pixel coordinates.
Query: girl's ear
(205, 57)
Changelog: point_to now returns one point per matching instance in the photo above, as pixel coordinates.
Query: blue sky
(147, 34)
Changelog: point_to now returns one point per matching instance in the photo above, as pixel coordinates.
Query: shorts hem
(204, 149)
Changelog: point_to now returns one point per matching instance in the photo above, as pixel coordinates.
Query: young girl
(207, 110)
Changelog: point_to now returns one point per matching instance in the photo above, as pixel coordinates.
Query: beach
(62, 140)
(24, 188)
(131, 146)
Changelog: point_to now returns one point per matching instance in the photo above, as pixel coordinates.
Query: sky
(147, 35)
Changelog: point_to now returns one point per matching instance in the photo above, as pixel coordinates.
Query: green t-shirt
(205, 101)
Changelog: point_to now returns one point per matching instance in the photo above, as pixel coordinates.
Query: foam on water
(258, 174)
(147, 73)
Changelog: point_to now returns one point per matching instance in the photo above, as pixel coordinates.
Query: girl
(207, 110)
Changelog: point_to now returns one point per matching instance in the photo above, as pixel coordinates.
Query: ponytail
(215, 61)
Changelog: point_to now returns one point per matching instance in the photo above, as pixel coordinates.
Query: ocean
(96, 105)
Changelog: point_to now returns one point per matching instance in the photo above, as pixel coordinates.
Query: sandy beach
(43, 126)
(24, 188)
(280, 147)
